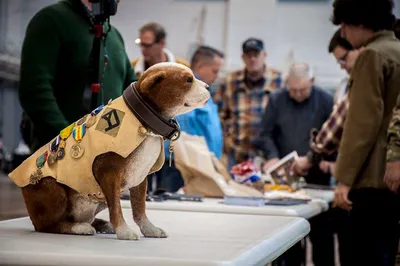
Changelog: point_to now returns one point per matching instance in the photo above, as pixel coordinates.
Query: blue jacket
(202, 122)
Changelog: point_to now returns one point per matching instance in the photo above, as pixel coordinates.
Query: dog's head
(171, 89)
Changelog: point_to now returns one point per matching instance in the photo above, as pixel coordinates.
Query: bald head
(300, 81)
(300, 70)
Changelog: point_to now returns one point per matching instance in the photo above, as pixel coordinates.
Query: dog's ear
(150, 80)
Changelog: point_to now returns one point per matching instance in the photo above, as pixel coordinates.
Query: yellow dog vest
(116, 129)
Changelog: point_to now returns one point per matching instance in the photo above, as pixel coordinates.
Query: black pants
(321, 237)
(341, 226)
(374, 221)
(168, 178)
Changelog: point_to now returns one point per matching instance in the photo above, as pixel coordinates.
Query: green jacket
(56, 68)
(373, 89)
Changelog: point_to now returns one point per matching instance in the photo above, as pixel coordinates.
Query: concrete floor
(11, 202)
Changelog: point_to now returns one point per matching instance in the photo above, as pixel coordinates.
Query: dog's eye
(189, 80)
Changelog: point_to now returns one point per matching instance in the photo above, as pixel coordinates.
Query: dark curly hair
(337, 40)
(372, 14)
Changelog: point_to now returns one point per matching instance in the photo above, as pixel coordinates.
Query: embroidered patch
(110, 122)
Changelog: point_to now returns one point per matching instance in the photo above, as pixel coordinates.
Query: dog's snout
(207, 87)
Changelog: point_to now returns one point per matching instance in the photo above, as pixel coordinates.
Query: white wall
(180, 18)
(302, 30)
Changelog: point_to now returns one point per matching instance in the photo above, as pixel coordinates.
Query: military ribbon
(97, 110)
(54, 144)
(79, 132)
(66, 132)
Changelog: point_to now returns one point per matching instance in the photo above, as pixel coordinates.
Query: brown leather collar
(148, 117)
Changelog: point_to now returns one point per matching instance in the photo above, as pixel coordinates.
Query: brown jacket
(373, 88)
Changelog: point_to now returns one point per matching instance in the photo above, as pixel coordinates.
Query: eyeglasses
(342, 60)
(147, 45)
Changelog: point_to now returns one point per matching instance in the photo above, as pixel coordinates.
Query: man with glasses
(325, 143)
(152, 43)
(290, 115)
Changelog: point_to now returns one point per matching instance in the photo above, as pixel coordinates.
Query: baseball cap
(252, 44)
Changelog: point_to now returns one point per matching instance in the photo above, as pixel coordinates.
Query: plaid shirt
(327, 140)
(241, 110)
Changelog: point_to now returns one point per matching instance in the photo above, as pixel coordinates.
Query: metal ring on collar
(178, 130)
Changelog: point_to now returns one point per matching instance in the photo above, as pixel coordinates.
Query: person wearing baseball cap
(242, 99)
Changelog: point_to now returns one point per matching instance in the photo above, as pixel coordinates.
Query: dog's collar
(148, 117)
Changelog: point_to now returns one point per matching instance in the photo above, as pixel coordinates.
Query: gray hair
(300, 70)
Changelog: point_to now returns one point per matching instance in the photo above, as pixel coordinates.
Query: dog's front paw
(83, 229)
(149, 230)
(125, 233)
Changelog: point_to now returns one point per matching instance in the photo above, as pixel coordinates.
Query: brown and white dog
(169, 89)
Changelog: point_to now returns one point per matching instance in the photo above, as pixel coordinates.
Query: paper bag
(203, 173)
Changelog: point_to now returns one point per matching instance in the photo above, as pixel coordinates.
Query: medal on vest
(53, 151)
(66, 132)
(61, 149)
(97, 110)
(35, 177)
(60, 154)
(91, 121)
(79, 132)
(77, 150)
(52, 158)
(41, 159)
(82, 120)
(54, 145)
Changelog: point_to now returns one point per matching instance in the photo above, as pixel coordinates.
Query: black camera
(103, 9)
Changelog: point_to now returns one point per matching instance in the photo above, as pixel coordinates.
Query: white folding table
(196, 238)
(216, 206)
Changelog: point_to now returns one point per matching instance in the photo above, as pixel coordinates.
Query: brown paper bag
(203, 173)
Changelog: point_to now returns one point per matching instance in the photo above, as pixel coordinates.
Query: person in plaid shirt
(325, 143)
(242, 99)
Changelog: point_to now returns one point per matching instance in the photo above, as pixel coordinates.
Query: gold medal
(62, 144)
(52, 158)
(82, 120)
(91, 121)
(77, 151)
